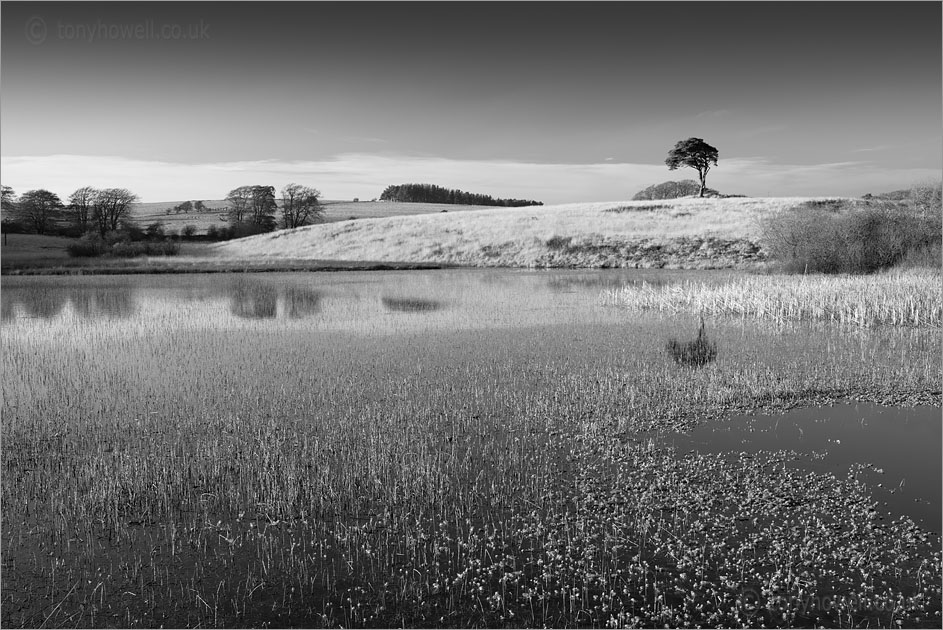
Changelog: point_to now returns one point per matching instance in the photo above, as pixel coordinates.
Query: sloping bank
(678, 234)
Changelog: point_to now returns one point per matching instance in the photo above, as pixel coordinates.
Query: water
(518, 329)
(902, 443)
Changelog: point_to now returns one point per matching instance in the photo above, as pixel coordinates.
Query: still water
(902, 444)
(553, 319)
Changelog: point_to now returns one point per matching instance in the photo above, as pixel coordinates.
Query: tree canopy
(430, 193)
(300, 205)
(695, 153)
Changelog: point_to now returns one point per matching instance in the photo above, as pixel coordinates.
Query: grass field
(579, 235)
(334, 210)
(23, 248)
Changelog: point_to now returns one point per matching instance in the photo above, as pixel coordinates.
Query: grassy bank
(913, 298)
(687, 233)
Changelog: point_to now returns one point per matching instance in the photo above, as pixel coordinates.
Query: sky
(558, 102)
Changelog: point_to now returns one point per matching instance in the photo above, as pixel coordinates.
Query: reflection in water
(42, 304)
(411, 305)
(6, 306)
(301, 302)
(253, 300)
(98, 302)
(567, 283)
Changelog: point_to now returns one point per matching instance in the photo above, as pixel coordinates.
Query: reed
(695, 353)
(913, 298)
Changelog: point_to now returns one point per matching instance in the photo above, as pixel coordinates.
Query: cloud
(366, 175)
(714, 113)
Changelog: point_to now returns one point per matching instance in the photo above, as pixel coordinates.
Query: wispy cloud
(880, 147)
(367, 139)
(366, 175)
(714, 113)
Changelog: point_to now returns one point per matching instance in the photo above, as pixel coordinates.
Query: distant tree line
(99, 210)
(104, 216)
(429, 193)
(187, 206)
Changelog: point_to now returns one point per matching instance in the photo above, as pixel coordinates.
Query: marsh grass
(899, 299)
(179, 468)
(695, 353)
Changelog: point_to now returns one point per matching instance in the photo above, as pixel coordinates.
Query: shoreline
(207, 267)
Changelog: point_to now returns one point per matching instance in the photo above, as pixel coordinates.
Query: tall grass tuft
(695, 353)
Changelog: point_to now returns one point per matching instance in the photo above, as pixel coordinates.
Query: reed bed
(162, 469)
(895, 299)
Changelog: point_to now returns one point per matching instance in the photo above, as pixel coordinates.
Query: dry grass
(515, 237)
(25, 247)
(334, 211)
(906, 299)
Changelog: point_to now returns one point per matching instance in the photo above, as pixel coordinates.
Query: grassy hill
(679, 233)
(334, 211)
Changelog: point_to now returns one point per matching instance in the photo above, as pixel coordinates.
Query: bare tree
(39, 208)
(240, 204)
(81, 206)
(112, 206)
(254, 205)
(300, 205)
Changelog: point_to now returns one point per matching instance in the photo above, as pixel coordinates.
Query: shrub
(167, 248)
(127, 249)
(88, 246)
(673, 190)
(155, 230)
(130, 231)
(189, 231)
(559, 242)
(836, 236)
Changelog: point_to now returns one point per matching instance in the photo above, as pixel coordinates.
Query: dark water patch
(301, 302)
(6, 307)
(903, 446)
(38, 304)
(104, 302)
(411, 305)
(253, 300)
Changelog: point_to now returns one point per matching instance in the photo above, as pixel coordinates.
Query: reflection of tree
(42, 303)
(253, 300)
(6, 306)
(300, 302)
(99, 302)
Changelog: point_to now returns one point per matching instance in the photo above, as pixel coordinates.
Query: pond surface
(548, 326)
(902, 445)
